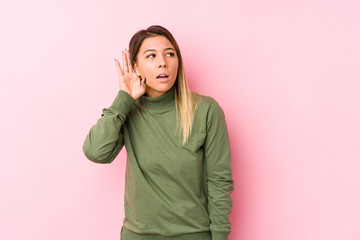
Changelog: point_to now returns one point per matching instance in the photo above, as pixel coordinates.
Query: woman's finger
(128, 61)
(125, 63)
(118, 67)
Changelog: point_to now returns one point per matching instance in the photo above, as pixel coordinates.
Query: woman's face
(157, 61)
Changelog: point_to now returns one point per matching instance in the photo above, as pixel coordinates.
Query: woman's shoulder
(204, 101)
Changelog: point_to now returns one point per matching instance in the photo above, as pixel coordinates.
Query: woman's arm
(106, 138)
(219, 175)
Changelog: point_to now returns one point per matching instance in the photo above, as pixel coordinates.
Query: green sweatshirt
(170, 189)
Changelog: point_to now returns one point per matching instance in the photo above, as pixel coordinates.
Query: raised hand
(129, 81)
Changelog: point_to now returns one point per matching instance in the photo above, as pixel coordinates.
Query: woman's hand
(128, 80)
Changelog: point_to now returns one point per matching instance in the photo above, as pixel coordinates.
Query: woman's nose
(162, 62)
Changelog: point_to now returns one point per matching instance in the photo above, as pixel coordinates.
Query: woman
(178, 176)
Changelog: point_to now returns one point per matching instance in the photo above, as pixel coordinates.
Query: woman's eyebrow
(170, 48)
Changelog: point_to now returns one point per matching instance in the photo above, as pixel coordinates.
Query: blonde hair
(185, 100)
(186, 103)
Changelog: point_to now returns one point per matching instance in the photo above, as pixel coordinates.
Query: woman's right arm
(106, 138)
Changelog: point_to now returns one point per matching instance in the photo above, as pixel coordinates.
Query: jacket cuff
(123, 103)
(219, 235)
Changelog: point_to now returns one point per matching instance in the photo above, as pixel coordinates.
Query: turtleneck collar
(163, 102)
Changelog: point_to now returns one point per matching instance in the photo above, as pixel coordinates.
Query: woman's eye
(167, 54)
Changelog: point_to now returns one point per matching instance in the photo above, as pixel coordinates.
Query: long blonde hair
(185, 100)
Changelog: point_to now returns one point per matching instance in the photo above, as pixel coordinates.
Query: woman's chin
(158, 89)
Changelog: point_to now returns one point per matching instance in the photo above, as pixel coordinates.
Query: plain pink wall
(286, 74)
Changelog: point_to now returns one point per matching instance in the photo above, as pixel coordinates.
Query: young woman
(178, 176)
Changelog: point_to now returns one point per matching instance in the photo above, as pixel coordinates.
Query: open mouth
(162, 76)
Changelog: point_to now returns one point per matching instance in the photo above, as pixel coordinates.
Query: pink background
(286, 74)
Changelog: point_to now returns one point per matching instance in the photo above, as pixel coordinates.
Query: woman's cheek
(147, 73)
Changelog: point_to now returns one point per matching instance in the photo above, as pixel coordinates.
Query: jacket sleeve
(106, 138)
(219, 174)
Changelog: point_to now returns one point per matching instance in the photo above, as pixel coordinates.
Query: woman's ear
(136, 69)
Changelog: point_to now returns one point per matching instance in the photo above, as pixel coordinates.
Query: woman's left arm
(219, 174)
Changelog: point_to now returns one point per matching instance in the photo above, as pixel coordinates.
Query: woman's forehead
(156, 43)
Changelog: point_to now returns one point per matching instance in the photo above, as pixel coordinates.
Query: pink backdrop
(286, 74)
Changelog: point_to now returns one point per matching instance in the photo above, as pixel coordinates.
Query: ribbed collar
(163, 102)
